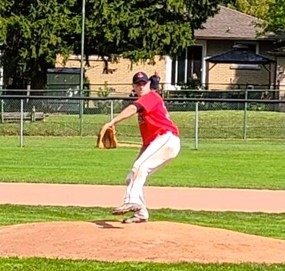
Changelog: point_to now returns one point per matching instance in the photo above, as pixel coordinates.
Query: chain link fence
(197, 116)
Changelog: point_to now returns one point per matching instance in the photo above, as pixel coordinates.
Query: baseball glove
(107, 138)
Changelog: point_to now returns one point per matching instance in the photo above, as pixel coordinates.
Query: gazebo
(240, 54)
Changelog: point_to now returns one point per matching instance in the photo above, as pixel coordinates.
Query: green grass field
(231, 164)
(215, 124)
(262, 224)
(40, 264)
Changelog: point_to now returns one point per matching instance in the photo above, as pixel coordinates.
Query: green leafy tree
(33, 32)
(275, 18)
(228, 2)
(256, 8)
(141, 29)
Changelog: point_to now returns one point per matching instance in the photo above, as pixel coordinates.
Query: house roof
(240, 55)
(229, 24)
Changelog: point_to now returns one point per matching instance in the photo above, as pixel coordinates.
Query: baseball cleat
(125, 208)
(134, 219)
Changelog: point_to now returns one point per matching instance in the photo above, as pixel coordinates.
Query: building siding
(120, 73)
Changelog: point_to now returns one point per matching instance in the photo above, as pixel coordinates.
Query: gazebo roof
(278, 51)
(240, 54)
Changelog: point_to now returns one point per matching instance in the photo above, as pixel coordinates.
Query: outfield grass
(231, 164)
(221, 124)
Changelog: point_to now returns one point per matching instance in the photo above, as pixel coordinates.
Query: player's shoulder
(154, 93)
(152, 97)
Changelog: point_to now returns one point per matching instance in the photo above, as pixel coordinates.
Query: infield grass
(263, 224)
(75, 160)
(40, 264)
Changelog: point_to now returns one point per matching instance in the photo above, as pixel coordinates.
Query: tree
(256, 8)
(35, 31)
(141, 29)
(32, 34)
(275, 18)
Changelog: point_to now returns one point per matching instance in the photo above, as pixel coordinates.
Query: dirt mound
(152, 241)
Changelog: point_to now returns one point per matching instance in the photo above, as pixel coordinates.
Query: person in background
(154, 81)
(160, 144)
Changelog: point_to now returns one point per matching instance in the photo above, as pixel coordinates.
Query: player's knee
(141, 172)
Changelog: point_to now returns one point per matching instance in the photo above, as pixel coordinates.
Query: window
(187, 64)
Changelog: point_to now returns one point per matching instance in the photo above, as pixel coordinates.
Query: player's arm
(125, 114)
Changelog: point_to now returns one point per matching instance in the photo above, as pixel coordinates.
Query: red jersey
(154, 118)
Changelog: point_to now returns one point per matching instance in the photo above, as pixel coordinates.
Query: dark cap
(140, 77)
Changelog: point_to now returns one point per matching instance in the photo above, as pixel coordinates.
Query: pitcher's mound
(152, 242)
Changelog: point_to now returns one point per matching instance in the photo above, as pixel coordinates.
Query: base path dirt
(151, 241)
(211, 199)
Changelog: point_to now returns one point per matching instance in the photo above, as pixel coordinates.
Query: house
(220, 34)
(279, 54)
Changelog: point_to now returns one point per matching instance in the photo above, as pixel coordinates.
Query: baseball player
(160, 144)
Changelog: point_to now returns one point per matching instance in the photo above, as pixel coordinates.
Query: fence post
(2, 111)
(81, 105)
(196, 125)
(28, 91)
(245, 116)
(22, 123)
(33, 114)
(112, 109)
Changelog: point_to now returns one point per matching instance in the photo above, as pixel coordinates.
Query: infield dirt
(152, 241)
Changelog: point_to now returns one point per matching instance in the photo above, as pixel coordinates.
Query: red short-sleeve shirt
(154, 118)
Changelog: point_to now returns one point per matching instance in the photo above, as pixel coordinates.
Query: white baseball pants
(161, 150)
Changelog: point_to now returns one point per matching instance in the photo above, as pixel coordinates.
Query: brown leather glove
(107, 138)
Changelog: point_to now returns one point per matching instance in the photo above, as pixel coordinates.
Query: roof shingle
(229, 24)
